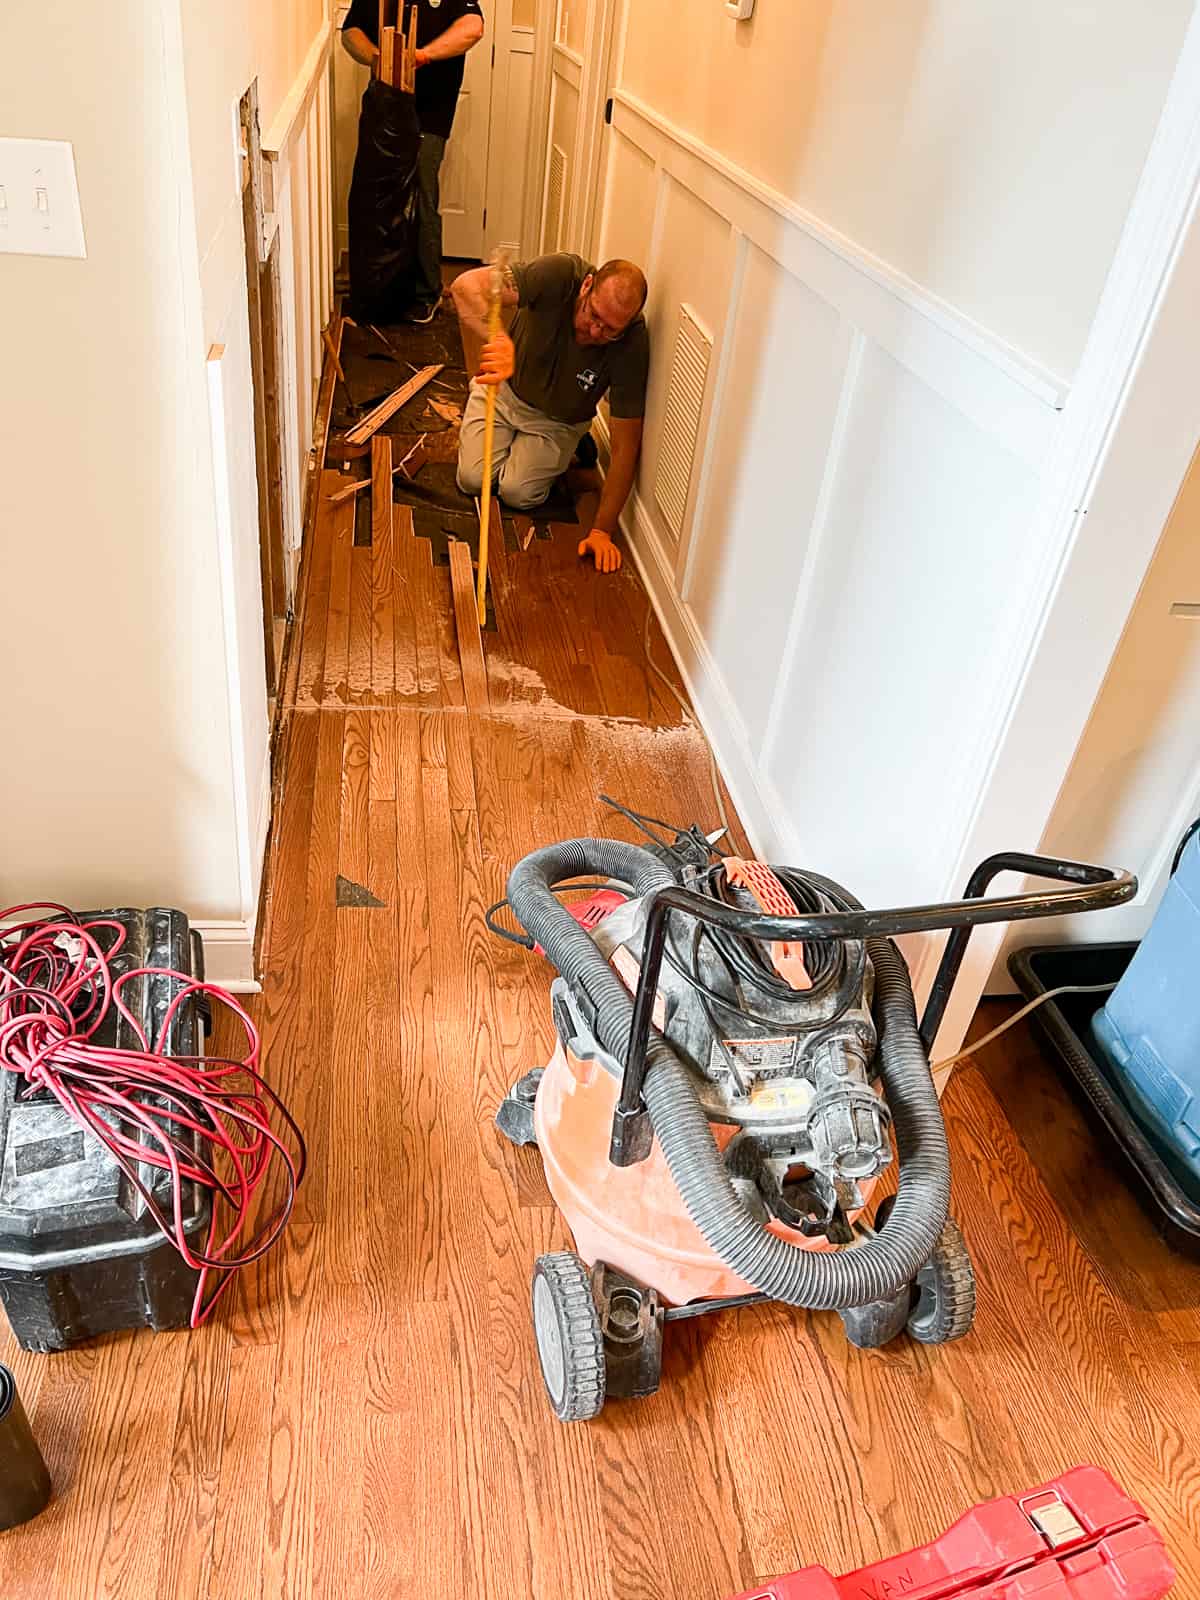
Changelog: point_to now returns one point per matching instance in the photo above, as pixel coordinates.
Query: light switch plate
(739, 10)
(39, 199)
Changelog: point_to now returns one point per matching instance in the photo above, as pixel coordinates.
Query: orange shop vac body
(737, 1046)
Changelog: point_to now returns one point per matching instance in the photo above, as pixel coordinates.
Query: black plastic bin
(80, 1253)
(1166, 1190)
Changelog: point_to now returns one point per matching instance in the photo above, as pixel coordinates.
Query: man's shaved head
(625, 280)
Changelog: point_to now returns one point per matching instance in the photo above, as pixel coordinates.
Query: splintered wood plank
(470, 645)
(383, 639)
(388, 408)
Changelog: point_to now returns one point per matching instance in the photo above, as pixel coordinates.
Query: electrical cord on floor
(1019, 1016)
(207, 1121)
(690, 715)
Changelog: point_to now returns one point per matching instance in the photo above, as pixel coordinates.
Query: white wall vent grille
(556, 198)
(681, 419)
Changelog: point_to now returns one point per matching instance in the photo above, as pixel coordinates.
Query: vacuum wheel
(570, 1343)
(944, 1293)
(937, 1308)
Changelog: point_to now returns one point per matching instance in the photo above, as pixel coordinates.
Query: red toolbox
(1078, 1538)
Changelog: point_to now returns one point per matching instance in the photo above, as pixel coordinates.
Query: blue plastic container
(1149, 1030)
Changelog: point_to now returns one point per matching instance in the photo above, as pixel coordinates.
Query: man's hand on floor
(497, 362)
(600, 547)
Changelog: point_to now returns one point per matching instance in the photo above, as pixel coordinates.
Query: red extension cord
(213, 1126)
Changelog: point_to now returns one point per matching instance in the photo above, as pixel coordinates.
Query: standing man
(577, 332)
(446, 30)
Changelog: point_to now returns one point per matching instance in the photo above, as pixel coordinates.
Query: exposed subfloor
(366, 1417)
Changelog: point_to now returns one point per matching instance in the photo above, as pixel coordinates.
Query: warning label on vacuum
(758, 1056)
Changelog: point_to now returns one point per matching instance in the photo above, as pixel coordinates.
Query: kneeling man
(576, 333)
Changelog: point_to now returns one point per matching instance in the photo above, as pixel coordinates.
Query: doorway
(264, 306)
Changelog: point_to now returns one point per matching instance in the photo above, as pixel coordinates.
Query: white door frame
(1130, 428)
(605, 34)
(539, 125)
(601, 56)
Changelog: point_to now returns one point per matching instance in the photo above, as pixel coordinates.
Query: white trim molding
(229, 955)
(293, 112)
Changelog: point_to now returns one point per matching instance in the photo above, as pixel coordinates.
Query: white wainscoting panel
(788, 353)
(849, 570)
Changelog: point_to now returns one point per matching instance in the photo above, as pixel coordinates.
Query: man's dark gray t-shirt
(556, 375)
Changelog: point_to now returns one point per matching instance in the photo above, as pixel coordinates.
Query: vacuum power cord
(209, 1121)
(1019, 1016)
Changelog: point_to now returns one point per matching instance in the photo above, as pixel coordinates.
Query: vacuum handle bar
(1091, 889)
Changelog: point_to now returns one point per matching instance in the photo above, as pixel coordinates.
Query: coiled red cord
(215, 1120)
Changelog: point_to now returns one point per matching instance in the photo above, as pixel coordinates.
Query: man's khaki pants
(530, 450)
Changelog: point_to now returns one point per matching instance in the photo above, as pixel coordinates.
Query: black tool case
(1164, 1187)
(80, 1254)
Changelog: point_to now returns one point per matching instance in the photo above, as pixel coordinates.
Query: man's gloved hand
(600, 547)
(498, 361)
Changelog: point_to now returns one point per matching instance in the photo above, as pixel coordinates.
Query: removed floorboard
(470, 645)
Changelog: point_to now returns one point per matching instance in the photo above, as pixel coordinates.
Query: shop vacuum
(737, 1045)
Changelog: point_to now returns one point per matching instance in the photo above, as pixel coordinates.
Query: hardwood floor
(366, 1417)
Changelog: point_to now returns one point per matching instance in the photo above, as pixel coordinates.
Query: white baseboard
(229, 955)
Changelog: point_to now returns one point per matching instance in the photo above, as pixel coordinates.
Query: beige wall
(114, 723)
(988, 151)
(135, 739)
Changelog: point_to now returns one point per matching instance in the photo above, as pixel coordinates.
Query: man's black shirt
(439, 82)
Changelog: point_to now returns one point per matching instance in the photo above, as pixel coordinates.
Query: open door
(464, 179)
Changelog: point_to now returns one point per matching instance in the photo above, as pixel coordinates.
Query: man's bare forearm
(458, 38)
(359, 47)
(471, 293)
(618, 481)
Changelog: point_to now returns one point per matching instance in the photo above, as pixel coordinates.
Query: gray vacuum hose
(819, 1280)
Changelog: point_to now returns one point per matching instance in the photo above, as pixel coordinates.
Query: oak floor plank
(362, 627)
(242, 1499)
(337, 628)
(383, 628)
(470, 645)
(312, 619)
